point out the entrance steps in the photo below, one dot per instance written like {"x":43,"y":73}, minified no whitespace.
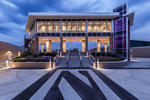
{"x":74,"y":60}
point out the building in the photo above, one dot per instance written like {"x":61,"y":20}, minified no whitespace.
{"x":110,"y":30}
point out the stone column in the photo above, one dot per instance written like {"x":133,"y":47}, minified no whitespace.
{"x":64,"y":45}
{"x":48,"y":46}
{"x":83,"y":45}
{"x":98,"y":46}
{"x":42,"y":47}
{"x":105,"y":45}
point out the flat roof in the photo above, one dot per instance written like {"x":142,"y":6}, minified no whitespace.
{"x":71,"y":13}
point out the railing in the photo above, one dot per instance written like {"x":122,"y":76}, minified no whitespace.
{"x":67,"y":59}
{"x":92,"y":59}
{"x":56,"y":59}
{"x":80,"y":58}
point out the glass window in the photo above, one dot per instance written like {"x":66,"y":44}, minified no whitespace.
{"x":64,"y":27}
{"x":109,"y":27}
{"x":103,"y":26}
{"x":68,"y":26}
{"x":83,"y":26}
{"x":89,"y":26}
{"x":73,"y":26}
{"x":78,"y":26}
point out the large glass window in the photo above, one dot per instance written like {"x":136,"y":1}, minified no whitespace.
{"x":83,"y":26}
{"x":74,"y":26}
{"x":108,"y":27}
{"x":89,"y":26}
{"x":78,"y":27}
{"x":68,"y":26}
{"x":64,"y":27}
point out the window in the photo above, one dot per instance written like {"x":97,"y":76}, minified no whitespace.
{"x":78,"y":26}
{"x":83,"y":26}
{"x":68,"y":26}
{"x":64,"y":27}
{"x":73,"y":26}
{"x":108,"y":26}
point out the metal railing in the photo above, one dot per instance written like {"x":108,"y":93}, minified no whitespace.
{"x":67,"y":59}
{"x":56,"y":59}
{"x":92,"y":59}
{"x":80,"y":58}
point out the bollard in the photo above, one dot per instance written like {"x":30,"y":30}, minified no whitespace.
{"x":97,"y":63}
{"x":50,"y":64}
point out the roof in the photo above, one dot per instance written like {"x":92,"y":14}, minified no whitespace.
{"x":71,"y":13}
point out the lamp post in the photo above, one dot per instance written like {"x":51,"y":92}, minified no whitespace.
{"x":9,"y":53}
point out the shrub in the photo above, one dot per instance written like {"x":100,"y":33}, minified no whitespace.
{"x":103,"y":54}
{"x":41,"y":54}
{"x":35,"y":55}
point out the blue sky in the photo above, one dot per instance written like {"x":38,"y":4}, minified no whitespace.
{"x":13,"y":15}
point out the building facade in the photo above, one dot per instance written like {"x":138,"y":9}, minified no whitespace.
{"x":111,"y":30}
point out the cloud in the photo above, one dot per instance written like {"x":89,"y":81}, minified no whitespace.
{"x":8,"y":3}
{"x":13,"y":14}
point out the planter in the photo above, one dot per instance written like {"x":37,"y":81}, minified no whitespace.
{"x":36,"y":65}
{"x":110,"y":64}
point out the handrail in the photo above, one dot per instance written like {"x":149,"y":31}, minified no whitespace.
{"x":67,"y":59}
{"x":57,"y":57}
{"x":92,"y":59}
{"x":80,"y":58}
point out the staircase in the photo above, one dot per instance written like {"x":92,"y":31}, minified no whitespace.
{"x":74,"y":60}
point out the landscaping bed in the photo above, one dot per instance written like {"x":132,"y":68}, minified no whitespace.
{"x":107,"y":57}
{"x":41,"y":57}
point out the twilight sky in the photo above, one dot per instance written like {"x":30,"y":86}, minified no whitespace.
{"x":13,"y":15}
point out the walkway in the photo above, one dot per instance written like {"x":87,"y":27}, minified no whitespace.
{"x":75,"y":84}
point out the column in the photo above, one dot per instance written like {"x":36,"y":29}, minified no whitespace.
{"x":110,"y":44}
{"x":61,"y":37}
{"x":64,"y":45}
{"x":86,"y":37}
{"x":42,"y":47}
{"x":105,"y":46}
{"x":98,"y":46}
{"x":48,"y":46}
{"x":83,"y":45}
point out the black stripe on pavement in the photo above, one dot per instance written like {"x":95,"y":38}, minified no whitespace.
{"x":54,"y":92}
{"x":94,"y":85}
{"x":83,"y":90}
{"x":121,"y":92}
{"x":29,"y":92}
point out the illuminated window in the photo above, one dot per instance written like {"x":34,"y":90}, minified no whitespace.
{"x":83,"y":26}
{"x":108,"y":26}
{"x":64,"y":27}
{"x":78,"y":26}
{"x":73,"y":26}
{"x":103,"y":26}
{"x":68,"y":26}
{"x":89,"y":26}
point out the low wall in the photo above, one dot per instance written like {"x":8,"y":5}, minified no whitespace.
{"x":111,"y":64}
{"x":36,"y":65}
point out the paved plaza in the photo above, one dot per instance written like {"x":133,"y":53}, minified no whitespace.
{"x":76,"y":84}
